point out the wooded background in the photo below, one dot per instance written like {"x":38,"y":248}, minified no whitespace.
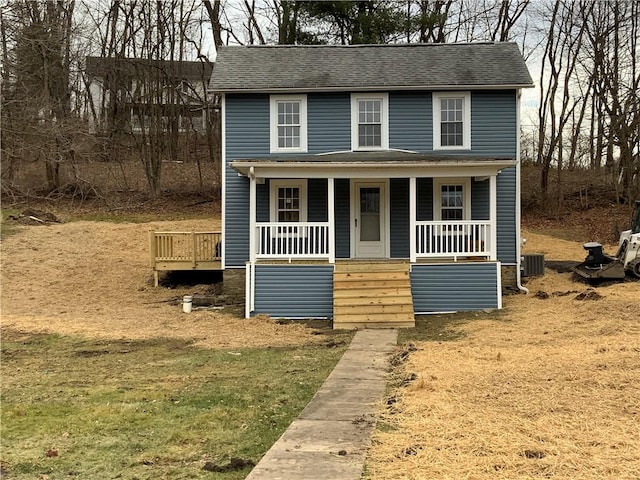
{"x":583,"y":55}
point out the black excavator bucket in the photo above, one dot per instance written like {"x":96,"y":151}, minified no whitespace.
{"x":599,"y":265}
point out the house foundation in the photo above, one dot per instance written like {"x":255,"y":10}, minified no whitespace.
{"x":233,"y":285}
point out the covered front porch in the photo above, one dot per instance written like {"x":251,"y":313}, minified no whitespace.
{"x":367,"y":205}
{"x":435,"y":218}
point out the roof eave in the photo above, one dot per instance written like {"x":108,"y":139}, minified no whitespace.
{"x":375,"y":88}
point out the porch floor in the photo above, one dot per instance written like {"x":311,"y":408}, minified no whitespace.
{"x":372,"y":294}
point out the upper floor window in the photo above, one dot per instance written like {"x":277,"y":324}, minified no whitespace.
{"x":452,"y":199}
{"x":288,"y":123}
{"x":452,"y":121}
{"x":370,"y":121}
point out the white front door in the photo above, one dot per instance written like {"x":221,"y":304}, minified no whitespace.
{"x":369,"y":213}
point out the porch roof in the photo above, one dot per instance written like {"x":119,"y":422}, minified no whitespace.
{"x":378,"y":164}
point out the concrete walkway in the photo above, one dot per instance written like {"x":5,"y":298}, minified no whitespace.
{"x":330,"y":437}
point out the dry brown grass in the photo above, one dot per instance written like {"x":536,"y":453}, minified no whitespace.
{"x":545,"y":389}
{"x":93,"y":279}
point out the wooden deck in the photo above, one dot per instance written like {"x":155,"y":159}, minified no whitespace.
{"x":372,"y":295}
{"x":184,"y":251}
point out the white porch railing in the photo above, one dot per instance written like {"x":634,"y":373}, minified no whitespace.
{"x":293,"y":241}
{"x":453,"y":239}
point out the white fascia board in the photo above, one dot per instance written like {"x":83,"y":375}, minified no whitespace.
{"x":376,"y":88}
{"x":373,"y":170}
{"x":223,"y":176}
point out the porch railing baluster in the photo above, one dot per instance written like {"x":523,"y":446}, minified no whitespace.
{"x":453,"y":239}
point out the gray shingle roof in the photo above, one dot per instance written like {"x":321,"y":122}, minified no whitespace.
{"x":133,"y":67}
{"x":367,"y":67}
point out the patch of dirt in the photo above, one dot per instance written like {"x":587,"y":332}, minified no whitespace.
{"x":234,"y":465}
{"x":93,"y":279}
{"x":30,"y":216}
{"x":589,"y":294}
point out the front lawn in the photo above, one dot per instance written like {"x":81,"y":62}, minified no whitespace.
{"x":148,"y":409}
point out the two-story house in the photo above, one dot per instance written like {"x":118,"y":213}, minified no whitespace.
{"x":129,"y":93}
{"x":371,"y":183}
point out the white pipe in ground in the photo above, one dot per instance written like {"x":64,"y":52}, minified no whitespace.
{"x":187,"y":302}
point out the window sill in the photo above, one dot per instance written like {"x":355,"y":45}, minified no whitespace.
{"x":289,"y":150}
{"x":462,"y":148}
{"x":371,"y":149}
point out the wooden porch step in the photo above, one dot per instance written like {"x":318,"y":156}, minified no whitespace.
{"x":348,"y":267}
{"x":371,"y":309}
{"x":377,"y":293}
{"x":361,"y":325}
{"x":372,"y":295}
{"x":374,"y":318}
{"x":369,"y":284}
{"x":342,"y":298}
{"x":371,"y":275}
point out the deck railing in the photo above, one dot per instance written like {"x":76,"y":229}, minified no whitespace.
{"x":293,"y":240}
{"x":185,"y":247}
{"x":453,"y":239}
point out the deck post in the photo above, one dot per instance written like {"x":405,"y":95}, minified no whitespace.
{"x":332,"y":220}
{"x":193,"y":245}
{"x":152,"y":249}
{"x":493,"y":216}
{"x":412,"y":219}
{"x":152,"y":256}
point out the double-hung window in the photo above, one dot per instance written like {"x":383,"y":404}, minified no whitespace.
{"x":452,"y":199}
{"x":288,"y":116}
{"x":288,"y":201}
{"x":370,"y":121}
{"x":452,"y":121}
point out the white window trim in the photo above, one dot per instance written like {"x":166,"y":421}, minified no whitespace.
{"x":384,"y":118}
{"x":273,"y":116}
{"x":466,"y":119}
{"x":437,"y":196}
{"x":274,"y":185}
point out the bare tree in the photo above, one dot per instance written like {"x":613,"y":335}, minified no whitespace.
{"x":564,"y":40}
{"x":612,"y":29}
{"x":38,"y":121}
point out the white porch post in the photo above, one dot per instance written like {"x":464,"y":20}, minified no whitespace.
{"x":252,"y":216}
{"x":332,"y":220}
{"x":493,"y":216}
{"x":412,"y":219}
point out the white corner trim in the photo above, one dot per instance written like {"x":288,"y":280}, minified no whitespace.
{"x":223,"y":176}
{"x":499,"y":284}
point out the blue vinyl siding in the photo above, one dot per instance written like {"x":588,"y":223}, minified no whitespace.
{"x":263,"y":202}
{"x":448,"y":287}
{"x":424,"y":197}
{"x":493,"y":123}
{"x":506,"y":205}
{"x":329,"y":122}
{"x":342,"y":195}
{"x":480,"y":192}
{"x":410,"y":121}
{"x":399,"y":217}
{"x":294,"y":291}
{"x":246,"y":136}
{"x":317,"y":204}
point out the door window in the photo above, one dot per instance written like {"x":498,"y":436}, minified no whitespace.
{"x":370,"y":214}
